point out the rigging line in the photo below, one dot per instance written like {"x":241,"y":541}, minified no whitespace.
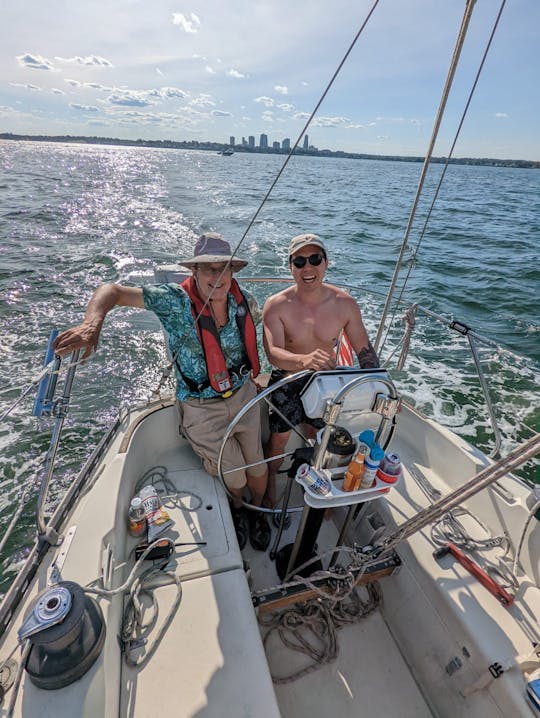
{"x":286,"y":162}
{"x":446,"y":91}
{"x":308,"y":122}
{"x":446,"y":165}
{"x":27,"y":389}
{"x":302,"y":132}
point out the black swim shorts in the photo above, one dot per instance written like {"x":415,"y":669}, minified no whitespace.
{"x":287,"y":400}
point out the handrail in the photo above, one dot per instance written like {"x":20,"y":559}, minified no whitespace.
{"x":334,"y":409}
{"x":45,"y":532}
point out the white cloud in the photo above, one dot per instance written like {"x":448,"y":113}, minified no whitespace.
{"x":203,"y":101}
{"x":159,"y":71}
{"x":210,"y":70}
{"x":354,"y":127}
{"x":34,"y":62}
{"x":305,"y":84}
{"x":129,"y":98}
{"x":234,"y":73}
{"x":26,"y":86}
{"x":56,"y":91}
{"x":301,"y":116}
{"x":94,"y":60}
{"x":286,"y":107}
{"x":191,"y":25}
{"x":168,"y":92}
{"x":74,"y":83}
{"x":330,"y":121}
{"x":268,"y":116}
{"x":84,"y":108}
{"x":143,"y":98}
{"x":266,"y":101}
{"x":221,"y":113}
{"x":501,"y":114}
{"x":281,"y":89}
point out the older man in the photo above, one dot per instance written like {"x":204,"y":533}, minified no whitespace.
{"x":210,"y":323}
{"x":302,"y":326}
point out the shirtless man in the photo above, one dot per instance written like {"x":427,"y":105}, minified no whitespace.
{"x":302,"y":325}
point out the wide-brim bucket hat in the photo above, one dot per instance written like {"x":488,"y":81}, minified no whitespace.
{"x":211,"y":247}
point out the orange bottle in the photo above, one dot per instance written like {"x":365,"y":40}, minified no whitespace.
{"x":354,"y":473}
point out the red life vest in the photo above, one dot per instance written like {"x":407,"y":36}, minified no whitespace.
{"x":216,"y":367}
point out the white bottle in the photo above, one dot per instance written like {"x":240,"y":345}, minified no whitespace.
{"x":371,"y":463}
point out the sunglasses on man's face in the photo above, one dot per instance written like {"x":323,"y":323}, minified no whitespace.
{"x":313,"y":259}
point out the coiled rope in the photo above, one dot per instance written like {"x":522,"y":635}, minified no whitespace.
{"x":311,"y":628}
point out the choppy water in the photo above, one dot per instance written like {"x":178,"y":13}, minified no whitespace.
{"x":73,"y":216}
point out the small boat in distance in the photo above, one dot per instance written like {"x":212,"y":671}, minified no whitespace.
{"x":227,"y":153}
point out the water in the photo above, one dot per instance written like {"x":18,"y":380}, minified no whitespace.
{"x":73,"y":216}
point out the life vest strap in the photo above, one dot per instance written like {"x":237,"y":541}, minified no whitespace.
{"x":242,"y":369}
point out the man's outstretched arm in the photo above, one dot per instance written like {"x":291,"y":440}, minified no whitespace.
{"x":86,"y":335}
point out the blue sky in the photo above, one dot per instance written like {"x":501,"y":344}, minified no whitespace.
{"x":205,"y":70}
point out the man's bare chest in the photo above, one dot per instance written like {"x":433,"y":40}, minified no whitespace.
{"x":317,"y":327}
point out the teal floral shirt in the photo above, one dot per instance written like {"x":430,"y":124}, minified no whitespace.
{"x":173,"y":309}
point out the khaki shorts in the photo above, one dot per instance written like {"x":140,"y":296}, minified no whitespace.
{"x":204,"y":422}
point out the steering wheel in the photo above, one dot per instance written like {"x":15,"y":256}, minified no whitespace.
{"x":263,"y":396}
{"x":386,"y":405}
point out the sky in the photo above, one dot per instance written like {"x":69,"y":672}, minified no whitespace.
{"x":207,"y":69}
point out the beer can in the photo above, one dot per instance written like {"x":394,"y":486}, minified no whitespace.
{"x":391,"y":465}
{"x":316,"y":481}
{"x":136,"y":518}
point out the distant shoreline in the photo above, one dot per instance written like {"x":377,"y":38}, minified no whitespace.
{"x":219,"y":147}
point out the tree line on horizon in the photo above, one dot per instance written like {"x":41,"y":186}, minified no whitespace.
{"x":219,"y":147}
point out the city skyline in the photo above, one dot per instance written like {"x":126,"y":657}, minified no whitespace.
{"x":284,"y":144}
{"x":202,"y":70}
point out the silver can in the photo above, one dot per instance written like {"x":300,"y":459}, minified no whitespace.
{"x":136,"y":518}
{"x":391,"y":465}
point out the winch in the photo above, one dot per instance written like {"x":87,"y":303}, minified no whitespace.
{"x":66,"y":631}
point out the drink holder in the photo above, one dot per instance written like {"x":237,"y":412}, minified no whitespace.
{"x":337,"y":497}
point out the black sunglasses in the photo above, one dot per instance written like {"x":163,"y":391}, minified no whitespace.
{"x":313,"y":259}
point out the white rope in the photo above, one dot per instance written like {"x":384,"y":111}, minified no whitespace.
{"x":410,"y":320}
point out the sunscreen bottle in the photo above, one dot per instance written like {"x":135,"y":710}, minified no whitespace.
{"x":354,"y":472}
{"x":371,"y":464}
